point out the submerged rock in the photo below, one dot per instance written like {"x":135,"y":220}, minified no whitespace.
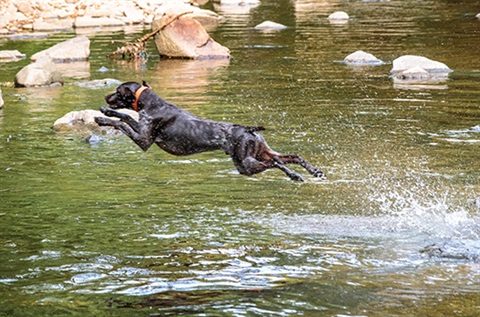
{"x":99,"y":83}
{"x":456,"y":250}
{"x":269,"y":25}
{"x":362,"y":58}
{"x":76,"y":49}
{"x":186,"y":38}
{"x":41,"y":73}
{"x":84,"y":121}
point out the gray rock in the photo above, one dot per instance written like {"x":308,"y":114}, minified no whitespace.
{"x":269,"y":25}
{"x":406,"y":62}
{"x":454,"y":250}
{"x":76,"y":49}
{"x":186,"y":38}
{"x":41,"y":73}
{"x":83,"y":121}
{"x":11,"y":55}
{"x":362,"y":58}
{"x":99,"y":83}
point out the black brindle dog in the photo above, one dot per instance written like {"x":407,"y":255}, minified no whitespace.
{"x":178,"y":132}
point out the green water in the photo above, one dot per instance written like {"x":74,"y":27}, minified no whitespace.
{"x":107,"y":230}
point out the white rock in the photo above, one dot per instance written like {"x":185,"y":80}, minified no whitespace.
{"x":410,"y":61}
{"x":414,"y":73}
{"x":269,"y":25}
{"x":11,"y":54}
{"x":338,"y":17}
{"x":88,"y":22}
{"x":478,"y":16}
{"x":76,"y":49}
{"x":362,"y":58}
{"x":41,"y":73}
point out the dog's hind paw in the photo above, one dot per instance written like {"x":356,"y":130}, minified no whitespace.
{"x":319,"y":173}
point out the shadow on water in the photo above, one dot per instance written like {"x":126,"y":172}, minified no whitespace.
{"x":106,"y":229}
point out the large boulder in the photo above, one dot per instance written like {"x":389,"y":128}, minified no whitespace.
{"x":41,"y":73}
{"x":76,"y":49}
{"x":185,"y":37}
{"x":83,"y":121}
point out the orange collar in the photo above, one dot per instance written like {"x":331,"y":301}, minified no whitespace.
{"x":137,"y":95}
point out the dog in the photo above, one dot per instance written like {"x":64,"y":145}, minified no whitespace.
{"x":178,"y":132}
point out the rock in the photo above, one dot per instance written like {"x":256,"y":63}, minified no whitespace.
{"x":11,"y":55}
{"x":338,"y":17}
{"x":89,"y":22}
{"x":84,"y":121}
{"x":41,"y":73}
{"x":455,"y":250}
{"x":40,"y":25}
{"x":269,"y":25}
{"x":99,"y":83}
{"x":237,"y":2}
{"x":186,"y":38}
{"x":76,"y":49}
{"x":2,"y":103}
{"x":478,"y":16}
{"x":414,"y":73}
{"x":406,"y":62}
{"x":207,"y":18}
{"x":362,"y":58}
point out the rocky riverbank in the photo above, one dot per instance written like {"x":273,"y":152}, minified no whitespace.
{"x":54,"y":15}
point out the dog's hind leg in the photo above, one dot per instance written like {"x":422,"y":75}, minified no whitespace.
{"x":280,"y":165}
{"x":297,"y":159}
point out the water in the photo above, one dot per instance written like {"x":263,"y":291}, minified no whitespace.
{"x":107,"y":230}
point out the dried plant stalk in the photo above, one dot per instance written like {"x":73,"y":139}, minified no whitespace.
{"x":136,"y":49}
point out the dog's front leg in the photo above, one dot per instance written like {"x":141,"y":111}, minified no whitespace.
{"x":109,"y":112}
{"x":142,"y":138}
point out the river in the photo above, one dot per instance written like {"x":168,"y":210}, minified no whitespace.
{"x":107,"y":230}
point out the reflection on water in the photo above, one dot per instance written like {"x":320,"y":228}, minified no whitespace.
{"x":394,"y":230}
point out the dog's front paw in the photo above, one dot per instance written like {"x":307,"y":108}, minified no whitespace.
{"x":102,"y":121}
{"x":109,"y":112}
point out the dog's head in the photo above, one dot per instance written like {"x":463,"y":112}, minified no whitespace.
{"x":124,"y":97}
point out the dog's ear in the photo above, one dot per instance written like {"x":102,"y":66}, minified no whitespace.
{"x":144,"y":83}
{"x":126,"y":92}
